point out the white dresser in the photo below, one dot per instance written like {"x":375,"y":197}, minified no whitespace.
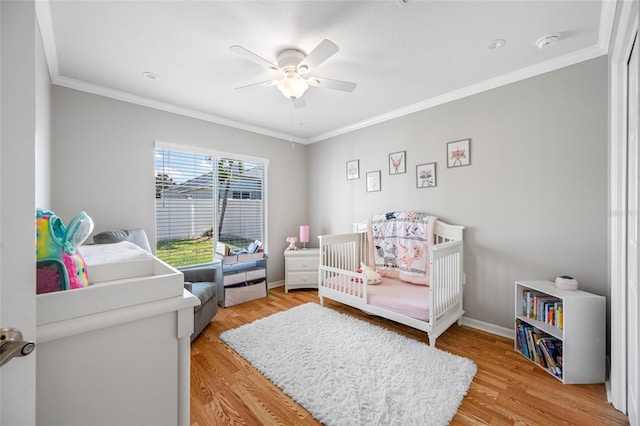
{"x":118,"y":351}
{"x":301,"y":268}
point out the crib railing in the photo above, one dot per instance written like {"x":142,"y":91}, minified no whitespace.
{"x":342,"y":251}
{"x":340,"y":256}
{"x":445,"y":275}
{"x":343,"y":281}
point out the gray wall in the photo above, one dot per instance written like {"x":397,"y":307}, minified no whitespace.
{"x":533,"y":200}
{"x":103,"y":163}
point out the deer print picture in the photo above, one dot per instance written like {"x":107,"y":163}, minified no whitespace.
{"x":458,"y":153}
{"x":397,"y":163}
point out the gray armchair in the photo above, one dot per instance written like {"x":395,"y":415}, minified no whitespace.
{"x":200,"y":281}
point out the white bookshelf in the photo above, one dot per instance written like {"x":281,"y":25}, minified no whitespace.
{"x":582,"y":334}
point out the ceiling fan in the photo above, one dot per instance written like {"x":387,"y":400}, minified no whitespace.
{"x":294,"y":66}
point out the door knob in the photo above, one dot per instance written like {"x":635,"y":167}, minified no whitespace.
{"x":12,"y":345}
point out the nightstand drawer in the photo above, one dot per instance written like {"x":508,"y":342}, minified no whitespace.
{"x":301,"y":269}
{"x":303,"y":264}
{"x":302,"y":278}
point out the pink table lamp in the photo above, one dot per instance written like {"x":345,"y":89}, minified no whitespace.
{"x":304,"y":235}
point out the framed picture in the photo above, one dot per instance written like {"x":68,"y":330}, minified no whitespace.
{"x":353,"y":169}
{"x":459,"y":153}
{"x":426,"y":175}
{"x":398,"y":162}
{"x":373,"y":181}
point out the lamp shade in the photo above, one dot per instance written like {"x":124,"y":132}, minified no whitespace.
{"x":304,"y":233}
{"x":292,"y":85}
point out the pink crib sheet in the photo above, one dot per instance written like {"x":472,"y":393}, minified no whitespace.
{"x":394,"y":295}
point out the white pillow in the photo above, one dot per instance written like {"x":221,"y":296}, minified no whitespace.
{"x":373,"y":277}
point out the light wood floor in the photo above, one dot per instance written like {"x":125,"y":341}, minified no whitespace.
{"x":507,"y":389}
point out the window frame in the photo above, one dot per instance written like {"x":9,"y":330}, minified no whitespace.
{"x":217,"y":155}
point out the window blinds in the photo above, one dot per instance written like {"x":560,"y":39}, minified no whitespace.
{"x":205,"y":198}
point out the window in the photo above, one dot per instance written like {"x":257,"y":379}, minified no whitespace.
{"x":203,"y":198}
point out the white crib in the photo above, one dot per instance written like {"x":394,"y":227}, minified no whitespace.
{"x":341,"y":255}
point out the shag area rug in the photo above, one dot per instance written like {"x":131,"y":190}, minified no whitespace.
{"x":346,"y":371}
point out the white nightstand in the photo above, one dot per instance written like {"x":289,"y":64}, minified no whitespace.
{"x":301,"y":268}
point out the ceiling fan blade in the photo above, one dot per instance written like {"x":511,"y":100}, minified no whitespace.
{"x":247,"y":54}
{"x":262,"y":83}
{"x":345,"y":86}
{"x":321,"y":53}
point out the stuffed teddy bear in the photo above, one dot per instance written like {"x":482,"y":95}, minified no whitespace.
{"x":373,"y":277}
{"x":292,"y":243}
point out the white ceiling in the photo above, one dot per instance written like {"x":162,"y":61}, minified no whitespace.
{"x":404,"y":57}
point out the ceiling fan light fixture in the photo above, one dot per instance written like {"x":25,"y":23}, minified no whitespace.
{"x":292,"y":85}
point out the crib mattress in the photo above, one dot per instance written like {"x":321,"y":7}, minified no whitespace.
{"x":411,"y":300}
{"x":408,"y":299}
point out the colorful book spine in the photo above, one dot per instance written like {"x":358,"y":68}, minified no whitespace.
{"x":552,"y":351}
{"x":542,"y":307}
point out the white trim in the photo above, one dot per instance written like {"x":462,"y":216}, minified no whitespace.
{"x":265,"y":180}
{"x":193,"y":149}
{"x":488,"y":327}
{"x":518,"y":75}
{"x":607,"y":19}
{"x":275,"y":284}
{"x":621,"y":47}
{"x":43,"y":17}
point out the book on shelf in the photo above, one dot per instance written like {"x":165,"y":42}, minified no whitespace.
{"x":551,"y":348}
{"x":542,"y":307}
{"x":559,"y":314}
{"x":522,"y":341}
{"x":539,"y":347}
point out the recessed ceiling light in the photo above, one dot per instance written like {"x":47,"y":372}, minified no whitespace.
{"x":496,"y":44}
{"x":547,"y":41}
{"x":150,"y":76}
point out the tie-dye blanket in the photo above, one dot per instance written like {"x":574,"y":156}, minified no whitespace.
{"x":398,"y":244}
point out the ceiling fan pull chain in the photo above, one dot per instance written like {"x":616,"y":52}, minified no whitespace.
{"x":293,"y":108}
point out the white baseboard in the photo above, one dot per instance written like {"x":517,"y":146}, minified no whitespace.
{"x":487,"y":327}
{"x":275,"y":284}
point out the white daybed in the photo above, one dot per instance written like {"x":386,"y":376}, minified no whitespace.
{"x":431,"y":308}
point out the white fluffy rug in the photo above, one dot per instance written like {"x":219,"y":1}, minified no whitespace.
{"x":345,"y":371}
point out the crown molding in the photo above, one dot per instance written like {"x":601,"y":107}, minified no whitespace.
{"x":45,"y":23}
{"x":163,"y":106}
{"x":607,"y":18}
{"x":522,"y":74}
